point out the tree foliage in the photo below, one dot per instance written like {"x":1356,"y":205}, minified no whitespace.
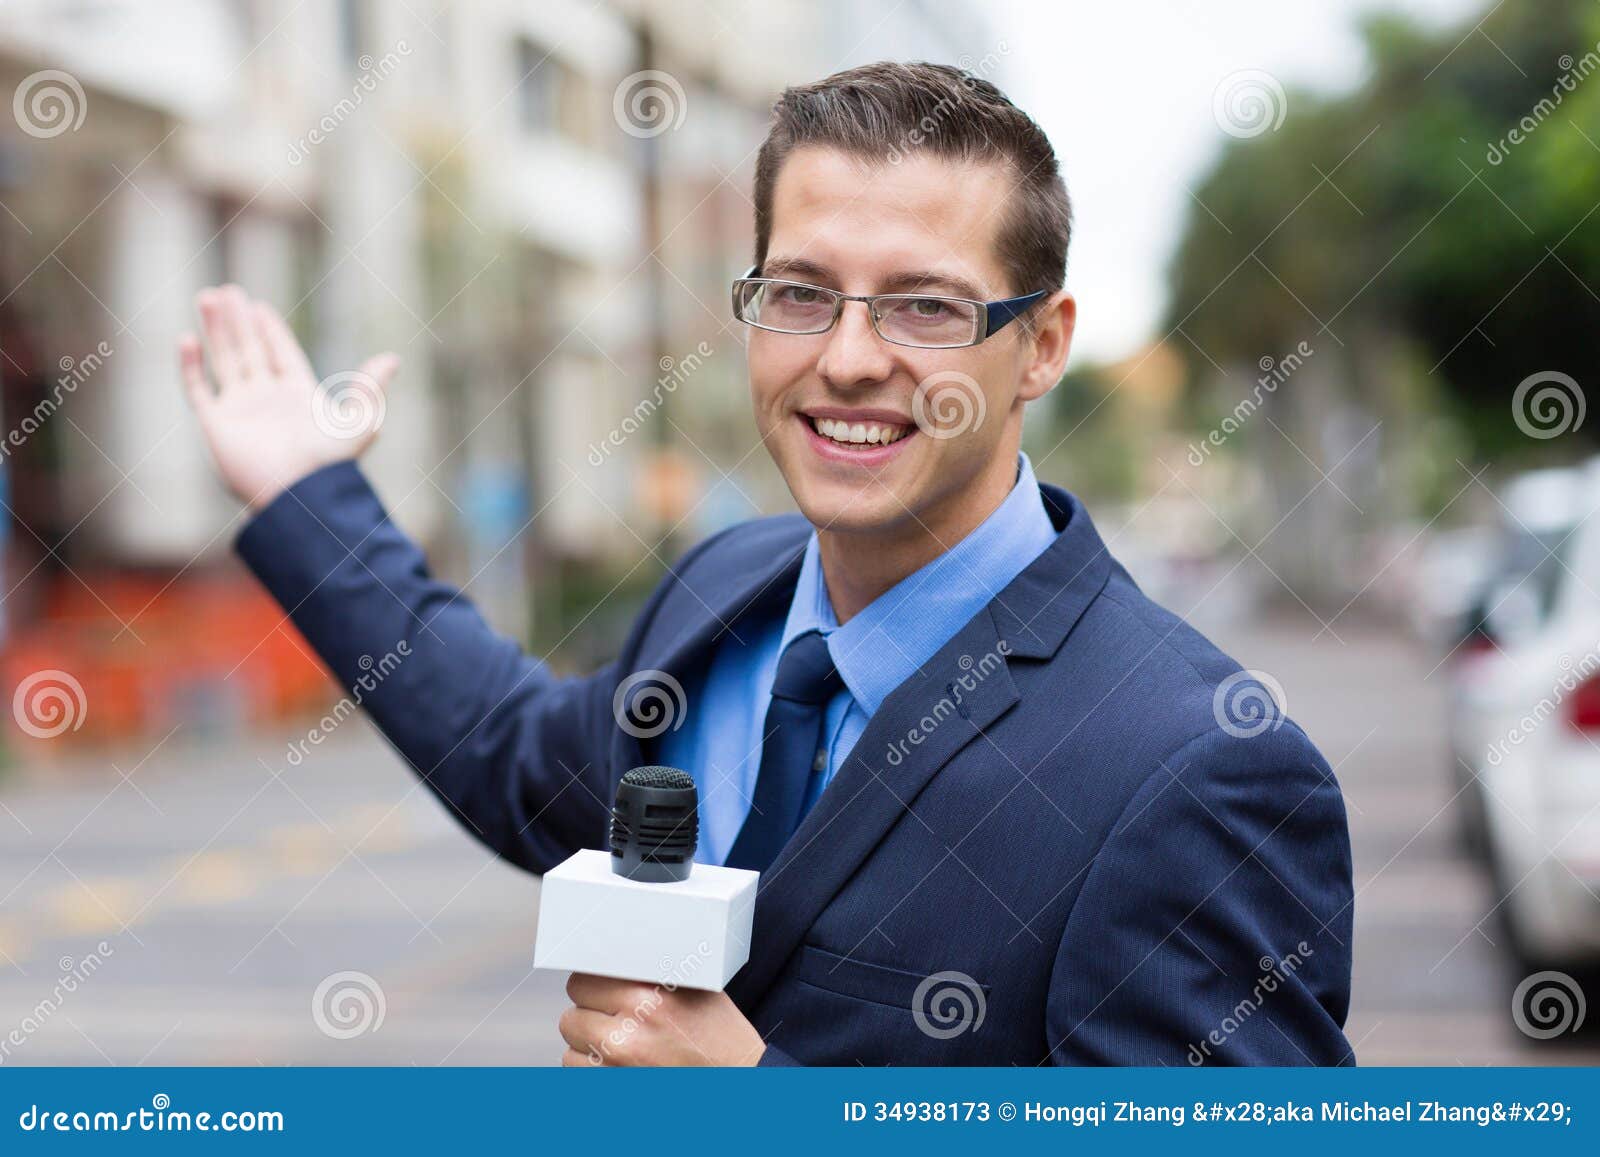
{"x":1450,"y":202}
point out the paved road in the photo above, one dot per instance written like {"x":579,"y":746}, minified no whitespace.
{"x":1433,"y":982}
{"x":226,"y":885}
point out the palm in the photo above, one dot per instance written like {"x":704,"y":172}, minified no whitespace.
{"x":267,"y":419}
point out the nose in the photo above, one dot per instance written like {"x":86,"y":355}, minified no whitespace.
{"x":854,"y":354}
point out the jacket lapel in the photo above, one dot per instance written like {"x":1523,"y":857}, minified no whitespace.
{"x":920,"y":728}
{"x":710,"y":615}
{"x":917,"y":731}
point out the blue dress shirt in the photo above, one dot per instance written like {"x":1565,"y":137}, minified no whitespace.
{"x":876,"y":651}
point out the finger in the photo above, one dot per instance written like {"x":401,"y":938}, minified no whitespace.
{"x":584,"y":1029}
{"x":271,"y":355}
{"x":600,"y":993}
{"x":219,"y":341}
{"x":283,"y":352}
{"x":192,"y":372}
{"x":573,"y":1059}
{"x":252,"y":355}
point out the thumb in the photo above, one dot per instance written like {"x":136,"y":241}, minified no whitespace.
{"x":381,"y":369}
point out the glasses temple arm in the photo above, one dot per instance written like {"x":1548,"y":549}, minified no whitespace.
{"x":1002,"y":313}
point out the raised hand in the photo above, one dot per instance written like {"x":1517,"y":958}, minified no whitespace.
{"x":267,"y":419}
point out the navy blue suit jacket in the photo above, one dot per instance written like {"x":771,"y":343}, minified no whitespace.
{"x":1059,"y":843}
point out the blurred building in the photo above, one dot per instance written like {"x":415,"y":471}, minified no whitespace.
{"x":537,"y":205}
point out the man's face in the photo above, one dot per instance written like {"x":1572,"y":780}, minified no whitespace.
{"x":924,"y":226}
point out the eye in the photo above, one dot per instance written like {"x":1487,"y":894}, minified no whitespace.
{"x":799,"y":295}
{"x":928,"y":308}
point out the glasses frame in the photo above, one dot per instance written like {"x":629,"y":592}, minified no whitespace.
{"x":993,"y":316}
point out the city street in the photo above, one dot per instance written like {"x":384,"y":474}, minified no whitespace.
{"x":229,"y":884}
{"x":226,"y":885}
{"x":1433,"y":982}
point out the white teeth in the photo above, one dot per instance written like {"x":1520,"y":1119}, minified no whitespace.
{"x":859,"y":433}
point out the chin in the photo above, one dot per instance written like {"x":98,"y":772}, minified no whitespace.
{"x":846,"y":510}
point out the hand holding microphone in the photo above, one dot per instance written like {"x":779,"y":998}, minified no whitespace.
{"x":650,"y":936}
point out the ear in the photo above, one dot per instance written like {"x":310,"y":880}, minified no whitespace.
{"x":1046,"y":353}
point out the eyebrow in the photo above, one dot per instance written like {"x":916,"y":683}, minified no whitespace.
{"x":904,"y":282}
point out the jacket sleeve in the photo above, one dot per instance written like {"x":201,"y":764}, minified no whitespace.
{"x":774,"y":1057}
{"x":1214,"y":927}
{"x":515,"y":753}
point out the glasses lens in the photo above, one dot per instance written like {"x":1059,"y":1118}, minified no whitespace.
{"x":928,"y":321}
{"x":784,"y":306}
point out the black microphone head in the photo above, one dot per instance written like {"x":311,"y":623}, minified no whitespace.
{"x":655,"y":825}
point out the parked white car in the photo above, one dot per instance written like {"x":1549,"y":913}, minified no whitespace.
{"x":1447,"y":580}
{"x":1525,"y":717}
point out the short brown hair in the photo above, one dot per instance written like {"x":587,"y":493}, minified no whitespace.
{"x":880,"y":112}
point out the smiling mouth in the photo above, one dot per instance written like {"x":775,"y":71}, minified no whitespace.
{"x":857,"y":435}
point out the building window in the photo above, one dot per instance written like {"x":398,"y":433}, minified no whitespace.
{"x":352,"y":31}
{"x":538,"y":88}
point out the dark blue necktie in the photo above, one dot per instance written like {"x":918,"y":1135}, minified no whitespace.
{"x":805,"y":682}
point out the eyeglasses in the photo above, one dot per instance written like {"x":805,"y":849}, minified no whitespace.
{"x":909,"y":319}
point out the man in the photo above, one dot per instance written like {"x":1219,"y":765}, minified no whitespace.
{"x":1007,"y":810}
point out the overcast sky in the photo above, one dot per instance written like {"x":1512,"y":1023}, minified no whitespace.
{"x":1125,"y":90}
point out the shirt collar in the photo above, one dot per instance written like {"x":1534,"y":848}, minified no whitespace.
{"x":894,"y":635}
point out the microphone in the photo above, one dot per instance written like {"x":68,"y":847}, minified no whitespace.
{"x":645,"y":910}
{"x":654,"y":825}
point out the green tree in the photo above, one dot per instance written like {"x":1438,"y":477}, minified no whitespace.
{"x":1446,"y":207}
